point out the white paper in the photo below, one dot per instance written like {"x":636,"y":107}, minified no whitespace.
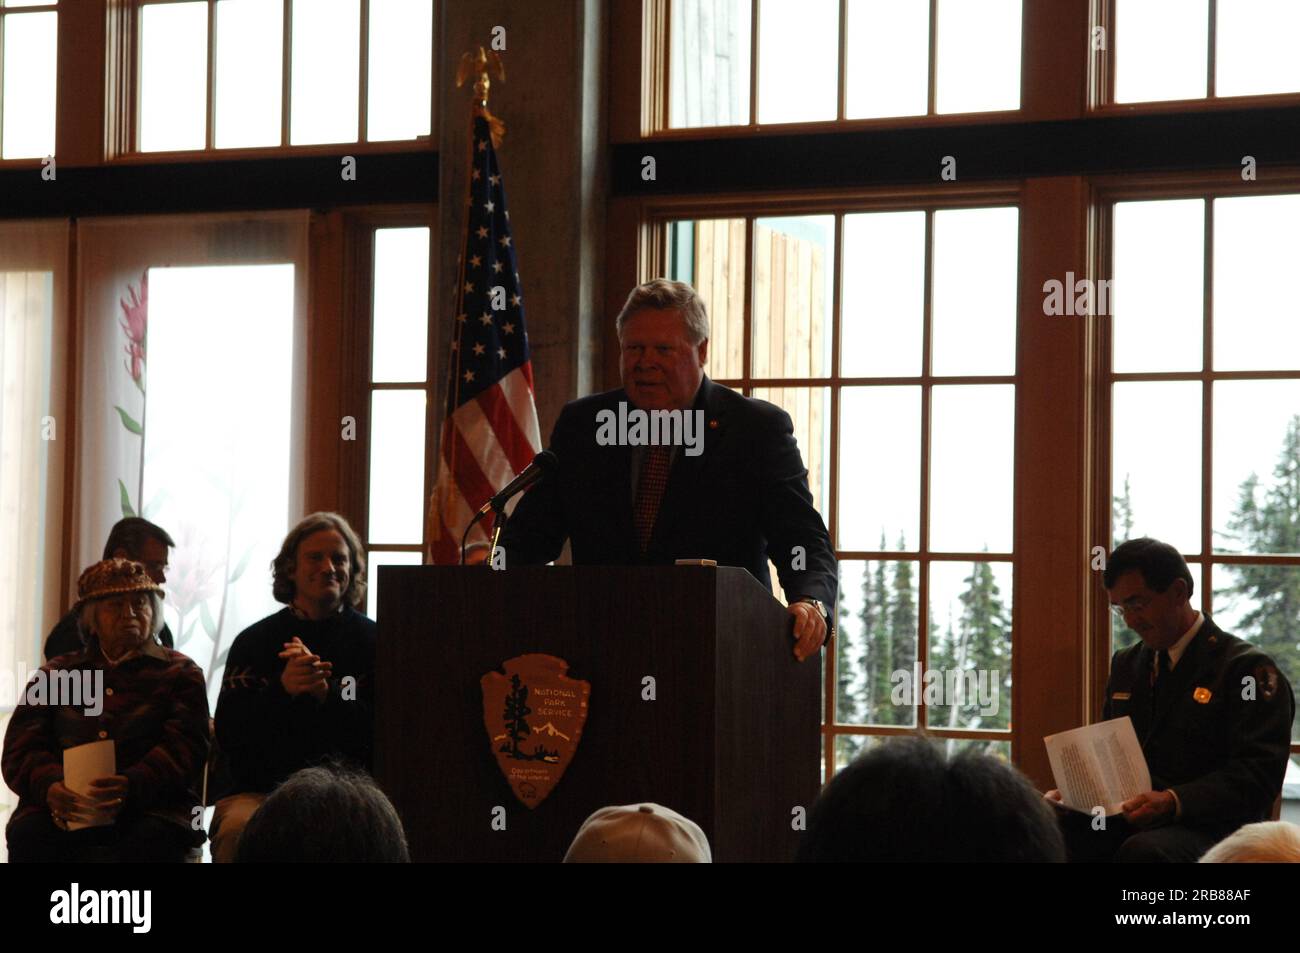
{"x":86,"y":763}
{"x":1098,"y":765}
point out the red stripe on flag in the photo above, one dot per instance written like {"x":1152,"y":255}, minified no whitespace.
{"x":508,"y":433}
{"x":470,"y":480}
{"x":445,"y":550}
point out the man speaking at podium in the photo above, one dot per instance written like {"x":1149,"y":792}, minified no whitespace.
{"x":673,"y":466}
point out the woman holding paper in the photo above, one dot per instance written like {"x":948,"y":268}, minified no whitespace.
{"x":106,"y":748}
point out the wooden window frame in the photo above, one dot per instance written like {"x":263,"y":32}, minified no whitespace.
{"x":655,"y":29}
{"x":1111,"y":191}
{"x":658,"y":214}
{"x":5,"y":12}
{"x":355,"y":374}
{"x":121,"y":126}
{"x":1102,"y":75}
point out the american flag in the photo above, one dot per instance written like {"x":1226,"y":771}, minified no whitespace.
{"x":490,"y":431}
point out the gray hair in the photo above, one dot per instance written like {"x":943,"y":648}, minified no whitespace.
{"x":664,"y":294}
{"x":1268,"y":842}
{"x":86,"y":617}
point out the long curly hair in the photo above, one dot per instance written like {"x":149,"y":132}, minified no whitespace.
{"x":284,"y":565}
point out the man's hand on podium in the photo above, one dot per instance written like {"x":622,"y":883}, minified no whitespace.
{"x":809,"y":629}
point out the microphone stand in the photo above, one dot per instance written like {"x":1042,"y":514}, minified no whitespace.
{"x":499,"y":518}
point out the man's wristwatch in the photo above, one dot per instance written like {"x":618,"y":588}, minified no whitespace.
{"x":825,"y":614}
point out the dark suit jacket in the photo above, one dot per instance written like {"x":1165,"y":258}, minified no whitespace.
{"x":64,"y":638}
{"x":744,"y":499}
{"x":1222,"y":754}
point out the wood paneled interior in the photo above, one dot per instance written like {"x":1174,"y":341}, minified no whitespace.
{"x":1066,"y":152}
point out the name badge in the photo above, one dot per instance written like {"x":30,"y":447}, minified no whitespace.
{"x":1202,"y":695}
{"x":1120,"y":696}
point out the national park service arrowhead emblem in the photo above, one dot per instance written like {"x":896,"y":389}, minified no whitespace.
{"x":534,"y":715}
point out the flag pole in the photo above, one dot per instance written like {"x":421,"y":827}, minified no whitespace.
{"x":480,"y":65}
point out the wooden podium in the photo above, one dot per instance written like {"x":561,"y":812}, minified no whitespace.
{"x":730,"y":740}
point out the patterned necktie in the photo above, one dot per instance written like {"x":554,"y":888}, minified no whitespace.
{"x":650,"y":492}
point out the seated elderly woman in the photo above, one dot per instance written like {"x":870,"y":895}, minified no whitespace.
{"x":124,"y":687}
{"x":298,"y":687}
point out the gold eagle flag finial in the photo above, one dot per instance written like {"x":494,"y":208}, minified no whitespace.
{"x":481,"y":65}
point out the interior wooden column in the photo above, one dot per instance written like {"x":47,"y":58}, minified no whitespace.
{"x":1052,"y":577}
{"x":552,"y":165}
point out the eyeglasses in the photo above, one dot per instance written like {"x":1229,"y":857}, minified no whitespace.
{"x":1132,"y":607}
{"x":154,"y":568}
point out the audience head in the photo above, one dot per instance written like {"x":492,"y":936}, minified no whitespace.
{"x":137,"y":539}
{"x":119,"y":604}
{"x":1150,"y":583}
{"x":663,"y":332}
{"x":325,"y":814}
{"x":639,"y":834}
{"x":321,"y":565}
{"x":905,"y":801}
{"x":1268,"y":842}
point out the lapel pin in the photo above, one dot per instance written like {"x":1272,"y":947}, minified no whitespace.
{"x":713,"y":424}
{"x":1202,"y":695}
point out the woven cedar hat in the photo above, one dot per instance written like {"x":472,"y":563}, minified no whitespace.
{"x":112,"y":577}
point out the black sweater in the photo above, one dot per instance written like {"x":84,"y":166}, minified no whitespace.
{"x":267,"y":734}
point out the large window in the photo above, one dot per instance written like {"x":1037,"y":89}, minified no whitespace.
{"x":399,"y":392}
{"x":889,"y":337}
{"x":225,"y":74}
{"x":1198,"y":49}
{"x":1205,"y":403}
{"x":193,"y":352}
{"x":28,"y":77}
{"x":742,"y":62}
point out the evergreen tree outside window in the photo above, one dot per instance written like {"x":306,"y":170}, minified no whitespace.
{"x":840,"y":318}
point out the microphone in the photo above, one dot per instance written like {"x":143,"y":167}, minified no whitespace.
{"x":542,"y":464}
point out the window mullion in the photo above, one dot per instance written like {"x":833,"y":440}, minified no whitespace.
{"x":211,"y":99}
{"x":286,"y":78}
{"x":363,"y":68}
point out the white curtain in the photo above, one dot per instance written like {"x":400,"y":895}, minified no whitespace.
{"x":193,"y":408}
{"x":34,"y":435}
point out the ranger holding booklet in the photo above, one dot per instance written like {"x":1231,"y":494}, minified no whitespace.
{"x":1206,"y":711}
